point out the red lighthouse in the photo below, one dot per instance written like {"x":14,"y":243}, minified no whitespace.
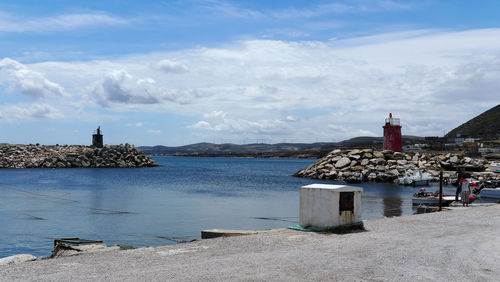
{"x":392,"y":134}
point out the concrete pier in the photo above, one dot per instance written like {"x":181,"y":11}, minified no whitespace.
{"x":456,"y":245}
{"x":215,"y":233}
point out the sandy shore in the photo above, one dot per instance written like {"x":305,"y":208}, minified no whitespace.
{"x":458,"y":245}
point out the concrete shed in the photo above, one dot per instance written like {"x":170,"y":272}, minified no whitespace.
{"x":325,"y":205}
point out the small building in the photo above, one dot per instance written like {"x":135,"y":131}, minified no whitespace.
{"x":97,"y":140}
{"x":392,"y":134}
{"x":329,"y":206}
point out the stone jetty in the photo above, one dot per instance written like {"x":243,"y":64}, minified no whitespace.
{"x":367,"y":165}
{"x":72,"y":156}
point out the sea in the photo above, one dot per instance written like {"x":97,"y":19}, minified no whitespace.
{"x":163,"y":205}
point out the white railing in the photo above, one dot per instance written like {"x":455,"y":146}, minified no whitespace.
{"x":392,"y":121}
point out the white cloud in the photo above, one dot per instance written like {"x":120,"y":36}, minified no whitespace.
{"x":14,"y":23}
{"x":29,"y":111}
{"x":171,"y":66}
{"x":220,"y":123}
{"x":201,"y":125}
{"x":298,"y":89}
{"x":17,"y":76}
{"x":119,"y":87}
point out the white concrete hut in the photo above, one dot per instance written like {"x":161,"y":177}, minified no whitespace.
{"x":326,"y":206}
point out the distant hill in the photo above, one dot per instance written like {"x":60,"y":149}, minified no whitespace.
{"x":283,"y":150}
{"x":485,"y":126}
{"x":256,"y":149}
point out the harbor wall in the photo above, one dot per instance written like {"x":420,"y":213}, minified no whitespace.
{"x":367,"y":165}
{"x":72,"y":156}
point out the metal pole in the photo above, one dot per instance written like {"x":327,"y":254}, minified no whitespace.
{"x":440,"y":190}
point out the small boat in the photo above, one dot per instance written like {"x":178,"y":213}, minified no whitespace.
{"x":432,"y":199}
{"x":452,"y":167}
{"x":417,"y":179}
{"x":494,"y":166}
{"x":490,"y":193}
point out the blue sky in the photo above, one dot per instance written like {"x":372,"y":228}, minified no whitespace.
{"x":182,"y":72}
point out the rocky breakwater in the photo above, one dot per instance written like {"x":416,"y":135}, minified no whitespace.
{"x":73,"y":156}
{"x":368,"y":165}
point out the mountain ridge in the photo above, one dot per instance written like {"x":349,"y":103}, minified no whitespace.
{"x":305,"y":150}
{"x":485,"y":126}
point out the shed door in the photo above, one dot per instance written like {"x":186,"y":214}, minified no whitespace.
{"x":346,"y":202}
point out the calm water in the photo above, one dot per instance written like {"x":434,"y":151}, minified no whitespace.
{"x":161,"y":205}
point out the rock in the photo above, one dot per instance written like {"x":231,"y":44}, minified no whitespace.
{"x":354,"y":152}
{"x":368,"y":155}
{"x":372,"y":176}
{"x":454,"y":159}
{"x":365,"y":162}
{"x":393,"y":172}
{"x":335,"y":159}
{"x":15,"y":259}
{"x":402,"y":162}
{"x":357,"y":168}
{"x":378,"y":155}
{"x":353,"y":163}
{"x":398,"y":156}
{"x":336,"y":152}
{"x":343,"y":162}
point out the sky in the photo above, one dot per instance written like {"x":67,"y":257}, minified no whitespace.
{"x":181,"y":72}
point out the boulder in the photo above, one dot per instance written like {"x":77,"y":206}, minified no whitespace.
{"x":454,"y":159}
{"x":354,"y":152}
{"x":335,"y":159}
{"x":343,"y":162}
{"x":402,"y":162}
{"x":398,"y":156}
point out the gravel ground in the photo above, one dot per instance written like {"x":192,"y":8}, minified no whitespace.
{"x":458,"y":245}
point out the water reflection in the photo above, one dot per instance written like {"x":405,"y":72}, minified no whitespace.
{"x":393,"y":206}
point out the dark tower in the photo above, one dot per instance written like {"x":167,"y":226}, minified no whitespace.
{"x":97,"y":138}
{"x":392,"y":134}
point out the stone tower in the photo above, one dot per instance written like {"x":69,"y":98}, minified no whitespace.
{"x":97,"y":138}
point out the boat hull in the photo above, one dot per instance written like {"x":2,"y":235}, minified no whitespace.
{"x":434,"y":201}
{"x":490,"y":193}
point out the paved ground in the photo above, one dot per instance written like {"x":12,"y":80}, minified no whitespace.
{"x":458,"y":245}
